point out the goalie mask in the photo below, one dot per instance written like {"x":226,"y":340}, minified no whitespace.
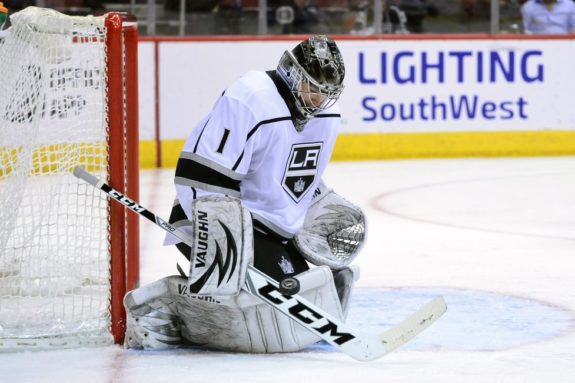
{"x":314,"y":73}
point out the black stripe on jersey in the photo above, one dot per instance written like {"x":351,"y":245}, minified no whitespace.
{"x":254,"y":130}
{"x":199,"y":173}
{"x":271,"y":121}
{"x":200,"y":136}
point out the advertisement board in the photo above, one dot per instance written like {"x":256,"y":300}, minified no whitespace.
{"x":412,"y":85}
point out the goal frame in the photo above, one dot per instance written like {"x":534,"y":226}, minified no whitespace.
{"x":122,"y":116}
{"x":113,"y":148}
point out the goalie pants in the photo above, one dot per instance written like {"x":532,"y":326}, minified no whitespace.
{"x":273,"y":255}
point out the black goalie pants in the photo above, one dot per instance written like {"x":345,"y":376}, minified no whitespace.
{"x":276,"y":257}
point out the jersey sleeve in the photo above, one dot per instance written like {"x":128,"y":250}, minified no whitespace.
{"x":223,"y":137}
{"x":214,"y":157}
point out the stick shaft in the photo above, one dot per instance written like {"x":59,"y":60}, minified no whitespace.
{"x":131,"y":204}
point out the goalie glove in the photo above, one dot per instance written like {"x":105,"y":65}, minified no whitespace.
{"x":334,"y":230}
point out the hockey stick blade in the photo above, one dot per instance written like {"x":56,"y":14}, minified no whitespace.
{"x":413,"y":325}
{"x":333,"y":330}
{"x":297,"y":308}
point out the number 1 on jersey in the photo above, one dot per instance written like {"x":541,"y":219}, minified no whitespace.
{"x":224,"y":140}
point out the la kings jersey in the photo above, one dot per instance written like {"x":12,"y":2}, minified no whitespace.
{"x":248,"y":147}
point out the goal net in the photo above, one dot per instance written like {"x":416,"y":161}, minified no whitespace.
{"x":68,"y":97}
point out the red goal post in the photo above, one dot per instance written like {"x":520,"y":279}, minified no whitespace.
{"x":122,"y":70}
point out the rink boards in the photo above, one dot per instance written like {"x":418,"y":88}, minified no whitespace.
{"x":406,"y":96}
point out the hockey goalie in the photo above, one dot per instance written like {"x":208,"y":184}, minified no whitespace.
{"x":249,"y":191}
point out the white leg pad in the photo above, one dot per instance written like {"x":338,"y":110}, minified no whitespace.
{"x":242,"y":323}
{"x":152,"y":319}
{"x":272,"y":331}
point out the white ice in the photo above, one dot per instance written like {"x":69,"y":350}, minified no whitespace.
{"x":495,"y":237}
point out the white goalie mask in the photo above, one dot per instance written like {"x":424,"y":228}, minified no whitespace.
{"x":313,"y":72}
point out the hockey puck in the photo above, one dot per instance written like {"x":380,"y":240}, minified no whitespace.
{"x":289,"y":286}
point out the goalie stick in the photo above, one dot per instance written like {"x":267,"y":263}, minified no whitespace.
{"x":324,"y":325}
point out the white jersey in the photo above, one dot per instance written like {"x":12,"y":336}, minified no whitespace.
{"x":248,"y":147}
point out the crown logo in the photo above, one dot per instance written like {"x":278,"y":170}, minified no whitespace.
{"x":299,"y":186}
{"x":286,"y":266}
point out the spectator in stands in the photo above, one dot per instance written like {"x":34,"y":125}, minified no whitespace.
{"x":415,"y":11}
{"x":548,"y":16}
{"x":399,"y":16}
{"x":191,"y":5}
{"x":228,"y":17}
{"x":306,"y":17}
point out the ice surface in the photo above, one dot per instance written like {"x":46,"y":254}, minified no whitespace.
{"x":495,"y":237}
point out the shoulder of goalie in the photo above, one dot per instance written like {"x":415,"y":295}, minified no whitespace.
{"x":221,"y":232}
{"x":164,"y":314}
{"x":334,"y":230}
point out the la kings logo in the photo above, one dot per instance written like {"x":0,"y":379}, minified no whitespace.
{"x":301,"y":169}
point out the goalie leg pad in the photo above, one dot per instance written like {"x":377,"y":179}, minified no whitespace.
{"x":240,"y":324}
{"x":272,"y":331}
{"x":245,"y":324}
{"x":223,"y":245}
{"x":152,"y":319}
{"x":165,"y":314}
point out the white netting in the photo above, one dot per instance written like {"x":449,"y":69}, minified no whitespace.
{"x":54,"y":256}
